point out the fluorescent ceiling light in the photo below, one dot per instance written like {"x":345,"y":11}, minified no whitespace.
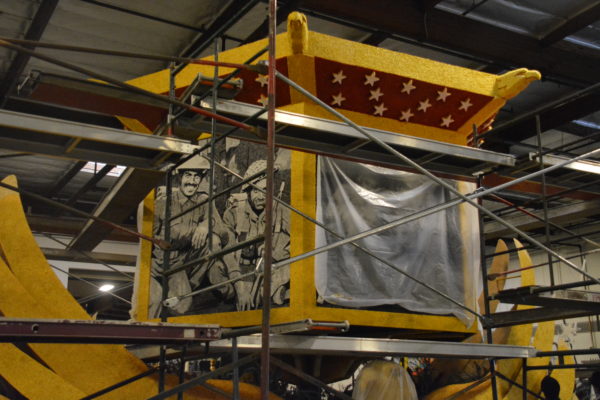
{"x":107,"y":287}
{"x":583,"y":165}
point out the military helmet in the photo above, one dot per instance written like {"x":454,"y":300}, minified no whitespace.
{"x":196,"y":162}
{"x":253,"y":169}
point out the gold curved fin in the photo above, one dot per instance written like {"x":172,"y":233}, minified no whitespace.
{"x":518,"y":335}
{"x":87,"y":367}
{"x":541,"y":341}
{"x":27,"y":261}
{"x":499,"y":265}
{"x":31,"y":379}
{"x":480,"y":392}
{"x":528,"y":275}
{"x":566,"y":376}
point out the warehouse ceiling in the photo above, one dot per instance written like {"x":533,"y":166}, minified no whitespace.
{"x":560,"y":39}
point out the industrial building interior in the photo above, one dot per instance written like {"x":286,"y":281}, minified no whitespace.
{"x":553,"y":120}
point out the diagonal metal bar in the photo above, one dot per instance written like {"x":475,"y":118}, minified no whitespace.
{"x":35,"y":31}
{"x":356,"y":245}
{"x":88,"y":256}
{"x":308,"y":378}
{"x":220,"y":193}
{"x":470,"y":387}
{"x":120,"y":384}
{"x":66,"y":178}
{"x":219,"y":253}
{"x":507,"y":379}
{"x":232,"y":14}
{"x":142,"y":15}
{"x":79,"y":49}
{"x":88,"y":282}
{"x":439,"y":181}
{"x":132,"y":88}
{"x":161,"y":243}
{"x":100,"y":294}
{"x":216,"y":390}
{"x":393,"y":224}
{"x":201,"y":379}
{"x":554,"y":225}
{"x":97,"y":177}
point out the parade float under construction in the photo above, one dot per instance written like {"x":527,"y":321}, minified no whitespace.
{"x":415,"y":279}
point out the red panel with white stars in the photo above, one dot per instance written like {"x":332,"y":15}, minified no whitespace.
{"x":254,"y":90}
{"x":387,"y":95}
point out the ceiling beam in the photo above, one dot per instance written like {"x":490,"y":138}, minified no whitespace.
{"x":71,"y":226}
{"x":35,"y":31}
{"x":375,"y":38}
{"x":569,"y":26}
{"x":552,"y":115}
{"x":144,"y":15}
{"x":88,"y":257}
{"x":122,"y":200}
{"x":91,"y":183}
{"x":29,"y":106}
{"x":66,"y":178}
{"x":228,"y":17}
{"x":460,"y":34}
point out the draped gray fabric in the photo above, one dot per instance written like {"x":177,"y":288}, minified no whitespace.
{"x":441,"y":249}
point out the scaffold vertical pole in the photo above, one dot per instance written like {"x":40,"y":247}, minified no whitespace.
{"x":164,"y":283}
{"x":236,"y":370}
{"x":213,"y":132}
{"x":268,"y":253}
{"x":486,"y":295}
{"x":538,"y":132}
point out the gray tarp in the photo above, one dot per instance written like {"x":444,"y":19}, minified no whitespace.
{"x":441,"y":249}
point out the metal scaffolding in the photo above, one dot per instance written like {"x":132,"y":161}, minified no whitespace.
{"x":241,"y":121}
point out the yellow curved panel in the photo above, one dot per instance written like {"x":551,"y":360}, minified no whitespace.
{"x":443,"y":369}
{"x":527,"y":276}
{"x":18,"y":369}
{"x":542,"y":341}
{"x":565,"y":377}
{"x":499,"y":265}
{"x":480,"y":392}
{"x":27,"y":261}
{"x":88,"y":367}
{"x":518,"y":335}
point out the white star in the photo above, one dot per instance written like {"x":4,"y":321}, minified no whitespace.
{"x":465,"y":105}
{"x":424,"y":105}
{"x":339,"y":77}
{"x":380,"y":109}
{"x":406,"y":115}
{"x":446,"y":121}
{"x":442,"y":94}
{"x":408,"y":87}
{"x":262,"y":79}
{"x":371,"y":79}
{"x":337,"y":100}
{"x":376,"y":94}
{"x":264,"y":100}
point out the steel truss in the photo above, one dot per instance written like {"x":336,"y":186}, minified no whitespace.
{"x":267,"y":342}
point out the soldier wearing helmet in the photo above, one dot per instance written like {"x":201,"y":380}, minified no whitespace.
{"x":188,"y":235}
{"x":245,"y":219}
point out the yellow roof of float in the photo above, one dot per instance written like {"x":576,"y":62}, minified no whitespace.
{"x":375,"y":87}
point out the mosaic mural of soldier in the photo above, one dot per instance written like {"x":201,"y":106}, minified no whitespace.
{"x":245,"y":219}
{"x":188,"y":236}
{"x":237,"y":217}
